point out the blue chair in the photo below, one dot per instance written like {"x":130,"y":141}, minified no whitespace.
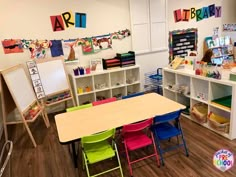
{"x":164,"y":128}
{"x":132,"y":95}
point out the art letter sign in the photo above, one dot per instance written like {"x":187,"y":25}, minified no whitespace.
{"x":67,"y":19}
{"x":198,"y":14}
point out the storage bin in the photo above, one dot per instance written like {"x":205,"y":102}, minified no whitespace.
{"x":126,"y":59}
{"x":111,"y":63}
{"x":199,"y":112}
{"x":218,"y":123}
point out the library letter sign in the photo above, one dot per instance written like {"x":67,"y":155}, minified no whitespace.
{"x":198,"y":14}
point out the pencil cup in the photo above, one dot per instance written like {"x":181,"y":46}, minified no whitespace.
{"x":76,"y":72}
{"x":80,"y":90}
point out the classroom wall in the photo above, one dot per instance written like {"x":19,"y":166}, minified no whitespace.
{"x":28,"y":19}
{"x":205,"y":27}
{"x":229,"y":16}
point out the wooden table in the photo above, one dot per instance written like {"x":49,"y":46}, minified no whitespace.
{"x":72,"y":126}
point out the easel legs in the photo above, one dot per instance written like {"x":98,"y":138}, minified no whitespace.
{"x":45,"y":118}
{"x":29,"y":132}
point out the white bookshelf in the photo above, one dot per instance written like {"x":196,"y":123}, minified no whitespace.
{"x":108,"y":83}
{"x":209,"y":88}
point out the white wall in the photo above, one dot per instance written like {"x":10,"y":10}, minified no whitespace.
{"x":229,"y":16}
{"x":28,"y":19}
{"x":205,"y":27}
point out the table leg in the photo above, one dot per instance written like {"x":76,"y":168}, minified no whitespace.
{"x":74,"y":155}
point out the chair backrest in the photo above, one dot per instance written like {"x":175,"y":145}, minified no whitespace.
{"x":167,"y":117}
{"x":108,"y":100}
{"x":5,"y":155}
{"x":137,"y":126}
{"x":133,"y":95}
{"x":98,"y":137}
{"x":79,"y":107}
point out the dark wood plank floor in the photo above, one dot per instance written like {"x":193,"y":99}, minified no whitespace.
{"x":51,"y":159}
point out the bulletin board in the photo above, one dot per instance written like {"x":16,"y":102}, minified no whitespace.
{"x":182,"y":41}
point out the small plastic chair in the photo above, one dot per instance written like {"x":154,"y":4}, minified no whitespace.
{"x":165,"y":127}
{"x":136,"y":136}
{"x":97,"y":148}
{"x":108,"y":100}
{"x":73,"y":143}
{"x":5,"y":157}
{"x":79,"y":107}
{"x":132,"y":95}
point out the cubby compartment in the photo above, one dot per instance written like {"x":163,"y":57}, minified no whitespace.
{"x":199,"y":111}
{"x":169,"y":94}
{"x":102,"y":95}
{"x":132,"y":76}
{"x":117,"y":79}
{"x":101,"y":81}
{"x":85,"y":99}
{"x":183,"y":99}
{"x":118,"y":92}
{"x":183,"y":84}
{"x":219,"y":90}
{"x":199,"y":89}
{"x":133,"y":88}
{"x":84,"y":84}
{"x":219,"y":120}
{"x":168,"y":80}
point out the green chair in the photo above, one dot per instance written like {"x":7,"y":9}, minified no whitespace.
{"x":79,"y":107}
{"x":73,"y":143}
{"x":97,"y":147}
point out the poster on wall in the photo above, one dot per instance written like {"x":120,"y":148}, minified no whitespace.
{"x":70,"y":50}
{"x":181,"y":42}
{"x":102,"y":43}
{"x":12,"y":46}
{"x":56,"y":48}
{"x":38,"y":48}
{"x":87,"y":46}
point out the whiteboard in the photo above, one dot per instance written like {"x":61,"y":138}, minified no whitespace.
{"x":20,"y":87}
{"x":52,"y":75}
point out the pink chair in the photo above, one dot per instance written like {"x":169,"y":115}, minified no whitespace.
{"x":108,"y":100}
{"x":136,"y":136}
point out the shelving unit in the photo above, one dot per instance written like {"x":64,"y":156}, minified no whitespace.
{"x":221,"y":47}
{"x":201,"y":90}
{"x":105,"y":84}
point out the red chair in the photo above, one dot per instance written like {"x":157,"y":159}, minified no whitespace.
{"x":136,"y":136}
{"x":108,"y":100}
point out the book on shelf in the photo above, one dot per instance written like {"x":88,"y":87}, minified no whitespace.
{"x":216,"y":52}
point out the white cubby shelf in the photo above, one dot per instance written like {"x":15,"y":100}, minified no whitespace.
{"x":116,"y":82}
{"x":201,"y":90}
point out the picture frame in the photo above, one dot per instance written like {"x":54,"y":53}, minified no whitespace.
{"x":96,"y":65}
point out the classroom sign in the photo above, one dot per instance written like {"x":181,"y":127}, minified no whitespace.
{"x":68,"y":19}
{"x":198,"y":14}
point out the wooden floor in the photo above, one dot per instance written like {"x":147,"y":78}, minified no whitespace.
{"x":51,"y":159}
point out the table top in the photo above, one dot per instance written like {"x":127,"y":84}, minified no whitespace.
{"x":76,"y":124}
